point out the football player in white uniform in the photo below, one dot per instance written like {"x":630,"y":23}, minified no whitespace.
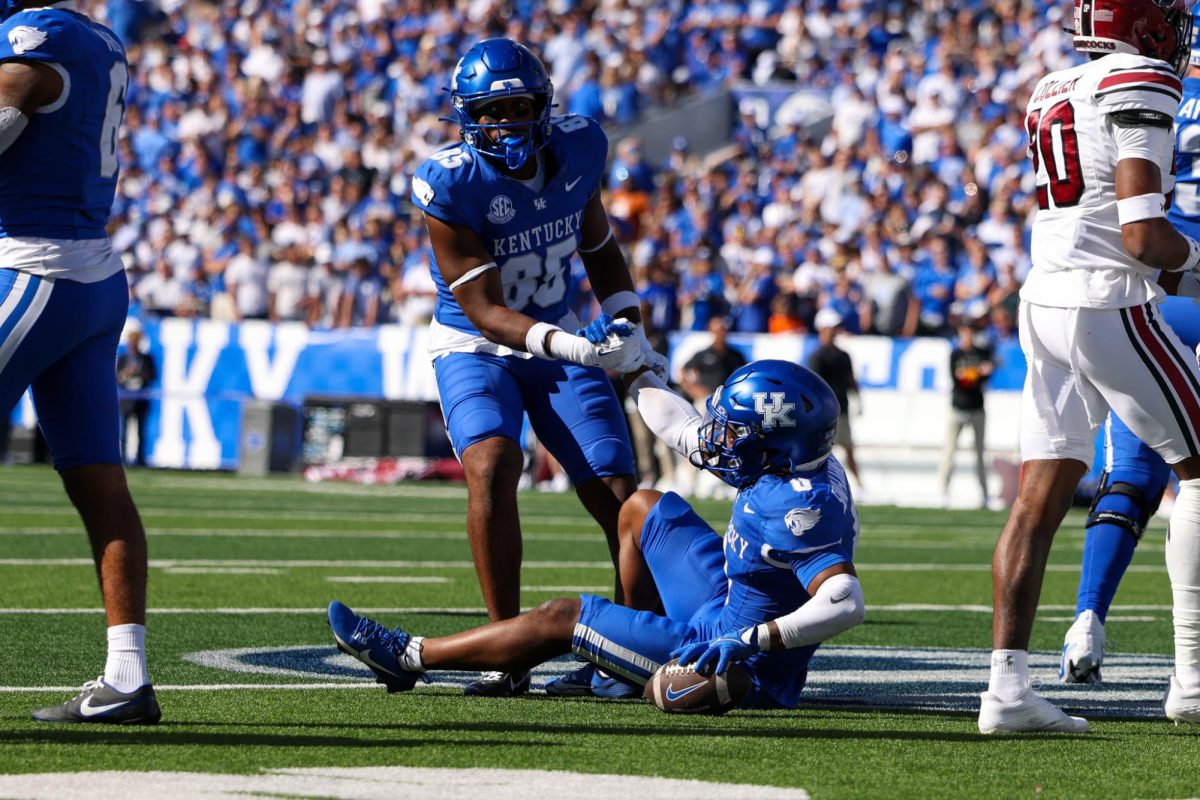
{"x":1101,"y":143}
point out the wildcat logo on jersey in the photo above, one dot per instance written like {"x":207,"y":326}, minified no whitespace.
{"x":501,"y":210}
{"x":778,"y":413}
{"x":422,"y":191}
{"x":24,"y":38}
{"x":801,"y":520}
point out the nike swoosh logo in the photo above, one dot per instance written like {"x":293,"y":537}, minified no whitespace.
{"x":88,"y":710}
{"x":748,"y":509}
{"x":363,"y":656}
{"x":571,"y":184}
{"x":673,"y":695}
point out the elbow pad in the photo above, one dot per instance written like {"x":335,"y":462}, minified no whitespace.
{"x":837,"y":606}
{"x":12,"y":124}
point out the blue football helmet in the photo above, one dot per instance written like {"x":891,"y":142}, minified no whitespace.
{"x":768,"y":417}
{"x":492,"y":69}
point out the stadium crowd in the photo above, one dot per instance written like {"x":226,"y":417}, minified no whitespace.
{"x":269,"y":145}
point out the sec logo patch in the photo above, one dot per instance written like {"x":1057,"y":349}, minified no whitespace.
{"x":501,"y":210}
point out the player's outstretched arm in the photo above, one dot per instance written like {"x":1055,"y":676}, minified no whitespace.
{"x":25,"y":86}
{"x":667,"y":414}
{"x":837,"y":605}
{"x":472,"y":276}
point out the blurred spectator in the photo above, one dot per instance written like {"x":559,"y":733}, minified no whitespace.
{"x":970,"y":368}
{"x":358,"y":305}
{"x":934,"y":286}
{"x":161,"y":292}
{"x":658,"y":291}
{"x":833,"y":364}
{"x":414,"y":294}
{"x":136,"y":372}
{"x":889,"y":306}
{"x":709,"y":368}
{"x":702,"y":291}
{"x":287,"y":285}
{"x":246,"y":281}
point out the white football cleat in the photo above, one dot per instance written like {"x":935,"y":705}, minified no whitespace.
{"x":1027,"y":713}
{"x":1182,"y":705}
{"x":1083,"y":650}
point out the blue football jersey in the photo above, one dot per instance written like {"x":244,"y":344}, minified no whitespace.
{"x":1185,"y":207}
{"x":58,"y":179}
{"x":531,"y":234}
{"x":784,"y":531}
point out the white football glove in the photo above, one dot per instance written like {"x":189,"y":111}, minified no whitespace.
{"x":621,"y":350}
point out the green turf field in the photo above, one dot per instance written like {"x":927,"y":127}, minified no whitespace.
{"x":242,"y":569}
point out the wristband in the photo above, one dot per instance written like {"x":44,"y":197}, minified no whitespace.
{"x":619,"y":301}
{"x":758,"y":636}
{"x":535,"y":339}
{"x":1144,"y":206}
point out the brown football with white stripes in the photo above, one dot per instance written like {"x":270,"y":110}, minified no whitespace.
{"x":682,"y":690}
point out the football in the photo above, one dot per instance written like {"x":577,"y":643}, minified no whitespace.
{"x":682,"y":690}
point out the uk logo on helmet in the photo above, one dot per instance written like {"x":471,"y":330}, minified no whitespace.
{"x":778,"y":414}
{"x":501,"y":210}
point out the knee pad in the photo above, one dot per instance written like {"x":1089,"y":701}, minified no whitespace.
{"x":1122,"y":504}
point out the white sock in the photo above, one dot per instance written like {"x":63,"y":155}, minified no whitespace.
{"x":412,"y":659}
{"x":125,"y":669}
{"x":1010,"y":674}
{"x":1183,"y":568}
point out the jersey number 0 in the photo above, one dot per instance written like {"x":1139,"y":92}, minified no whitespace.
{"x":1053,"y":142}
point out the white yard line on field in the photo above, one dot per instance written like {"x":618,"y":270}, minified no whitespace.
{"x":897,"y":607}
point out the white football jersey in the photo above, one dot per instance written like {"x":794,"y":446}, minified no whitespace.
{"x":1078,"y":257}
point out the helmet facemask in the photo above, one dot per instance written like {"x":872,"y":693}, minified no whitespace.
{"x":516,"y":142}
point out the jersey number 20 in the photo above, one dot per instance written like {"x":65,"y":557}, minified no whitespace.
{"x":1053,"y":142}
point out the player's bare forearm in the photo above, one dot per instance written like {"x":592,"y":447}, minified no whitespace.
{"x":609,"y":274}
{"x":1154,"y":240}
{"x":603,"y":260}
{"x":498,"y":323}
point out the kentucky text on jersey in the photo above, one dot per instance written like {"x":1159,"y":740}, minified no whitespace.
{"x":545,"y":234}
{"x":530,"y":227}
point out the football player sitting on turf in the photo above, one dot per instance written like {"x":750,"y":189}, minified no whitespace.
{"x":766,"y":594}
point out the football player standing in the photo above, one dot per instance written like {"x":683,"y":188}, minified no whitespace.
{"x":778,"y":583}
{"x":506,"y":211}
{"x":63,"y":302}
{"x":1093,"y":336}
{"x":1134,"y":475}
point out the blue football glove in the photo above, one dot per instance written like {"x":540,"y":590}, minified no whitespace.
{"x":722,"y":651}
{"x":598,"y":330}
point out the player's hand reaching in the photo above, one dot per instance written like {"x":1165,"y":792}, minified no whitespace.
{"x":618,"y":348}
{"x":719,"y":653}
